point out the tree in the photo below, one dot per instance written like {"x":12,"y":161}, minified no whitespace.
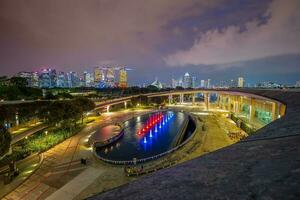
{"x":19,"y":82}
{"x":5,"y":140}
{"x":85,"y":105}
{"x":66,"y":112}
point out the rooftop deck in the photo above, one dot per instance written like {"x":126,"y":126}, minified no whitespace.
{"x":265,"y":165}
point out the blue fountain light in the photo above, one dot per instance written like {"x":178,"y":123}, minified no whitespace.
{"x":151,"y":133}
{"x":145,"y":140}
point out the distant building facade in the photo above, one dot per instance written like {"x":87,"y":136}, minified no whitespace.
{"x":241,"y":82}
{"x":123,"y":78}
{"x":187,"y":80}
{"x":47,"y":78}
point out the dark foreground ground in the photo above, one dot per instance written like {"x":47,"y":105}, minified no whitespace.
{"x":264,"y":166}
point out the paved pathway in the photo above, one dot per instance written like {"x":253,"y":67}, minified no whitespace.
{"x":27,"y":133}
{"x":62,"y":162}
{"x":75,"y":186}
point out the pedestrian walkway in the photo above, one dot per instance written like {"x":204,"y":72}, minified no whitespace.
{"x":63,"y":160}
{"x":77,"y":185}
{"x":28,"y":133}
{"x":26,"y":168}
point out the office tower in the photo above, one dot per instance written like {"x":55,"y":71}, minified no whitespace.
{"x":241,"y":82}
{"x":110,"y":77}
{"x":62,"y":80}
{"x":73,"y":80}
{"x":47,"y":78}
{"x":174,"y":83}
{"x":208,"y":83}
{"x":187,"y":80}
{"x":87,"y":79}
{"x":194,"y":79}
{"x":98,"y":75}
{"x":202,"y":83}
{"x":35,"y":79}
{"x":123,"y":78}
{"x":28,"y":76}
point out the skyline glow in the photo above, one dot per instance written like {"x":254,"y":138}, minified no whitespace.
{"x":256,"y":39}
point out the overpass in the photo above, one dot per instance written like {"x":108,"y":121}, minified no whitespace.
{"x":107,"y":104}
{"x":234,"y":101}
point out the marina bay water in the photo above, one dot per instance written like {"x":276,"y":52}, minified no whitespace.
{"x":141,"y":142}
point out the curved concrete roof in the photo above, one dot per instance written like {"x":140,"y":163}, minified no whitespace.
{"x":264,"y":166}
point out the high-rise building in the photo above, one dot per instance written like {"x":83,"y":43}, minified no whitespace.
{"x":47,"y":78}
{"x":174,"y":83}
{"x":194,"y":79}
{"x":110,"y":77}
{"x":187,"y":80}
{"x":62,"y":80}
{"x":73,"y":80}
{"x":87,"y":79}
{"x":202,"y":84}
{"x":98,"y":75}
{"x":35,"y":79}
{"x":123,"y":78}
{"x":233,"y":83}
{"x":208,"y":83}
{"x":241,"y":82}
{"x":32,"y":78}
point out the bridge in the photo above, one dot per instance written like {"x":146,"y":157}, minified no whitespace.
{"x":239,"y":102}
{"x":107,"y":104}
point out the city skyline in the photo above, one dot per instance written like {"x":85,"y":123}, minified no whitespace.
{"x":159,"y":42}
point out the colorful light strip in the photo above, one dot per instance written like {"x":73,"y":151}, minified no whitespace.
{"x":155,"y":121}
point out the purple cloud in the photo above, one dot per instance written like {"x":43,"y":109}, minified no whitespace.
{"x":278,"y":36}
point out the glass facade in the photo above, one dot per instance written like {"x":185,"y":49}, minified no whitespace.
{"x":263,"y":116}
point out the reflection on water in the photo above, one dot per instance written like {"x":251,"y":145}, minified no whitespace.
{"x":140,"y":142}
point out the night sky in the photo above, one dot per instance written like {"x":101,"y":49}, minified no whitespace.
{"x":217,"y":39}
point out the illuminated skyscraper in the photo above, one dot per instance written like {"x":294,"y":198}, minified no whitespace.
{"x":35,"y":79}
{"x":98,"y":75}
{"x":47,"y":78}
{"x":32,"y":78}
{"x":73,"y":80}
{"x":174,"y":83}
{"x":87,"y":79}
{"x":187,"y":80}
{"x":123,"y":78}
{"x":208,"y":83}
{"x":194,"y":81}
{"x":110,"y":77}
{"x":202,"y":84}
{"x":241,"y":82}
{"x":62,"y":80}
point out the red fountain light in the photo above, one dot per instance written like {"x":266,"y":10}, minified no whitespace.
{"x":153,"y":120}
